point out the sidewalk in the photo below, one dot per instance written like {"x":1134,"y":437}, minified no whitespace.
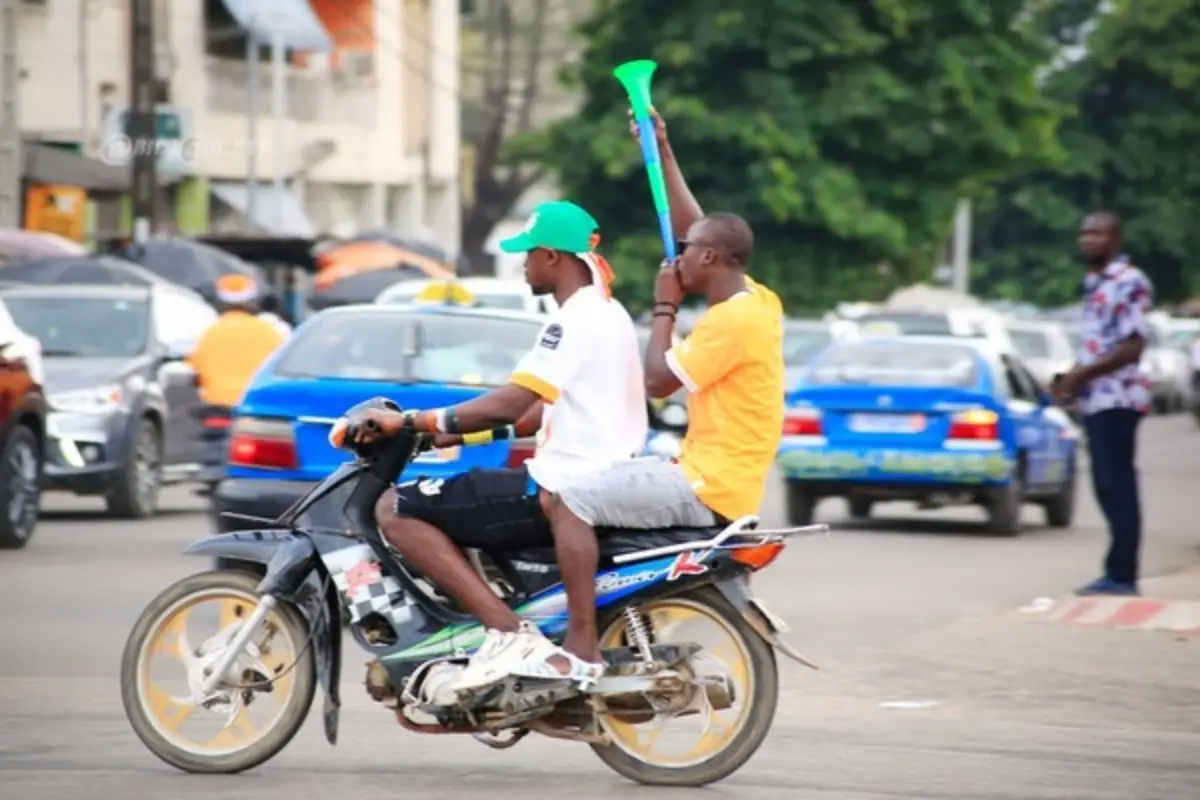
{"x":1168,"y":603}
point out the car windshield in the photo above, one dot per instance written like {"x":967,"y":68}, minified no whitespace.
{"x":801,"y":344}
{"x":453,"y":348}
{"x":83,"y":327}
{"x":895,"y":364}
{"x":911,"y":324}
{"x":1030,"y":343}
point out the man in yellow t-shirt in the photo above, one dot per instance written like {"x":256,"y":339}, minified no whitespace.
{"x":236,"y":345}
{"x":732,"y":367}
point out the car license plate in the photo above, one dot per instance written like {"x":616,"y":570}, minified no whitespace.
{"x":887,"y":423}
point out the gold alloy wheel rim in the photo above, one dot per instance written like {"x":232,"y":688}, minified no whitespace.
{"x":170,"y":712}
{"x":718,"y":728}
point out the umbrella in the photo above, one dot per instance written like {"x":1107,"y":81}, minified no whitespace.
{"x":101,"y":270}
{"x":191,"y":264}
{"x":366,"y":256}
{"x":361,"y":287}
{"x":18,"y":246}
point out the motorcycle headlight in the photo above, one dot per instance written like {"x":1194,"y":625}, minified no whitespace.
{"x":100,"y":400}
{"x":674,"y":415}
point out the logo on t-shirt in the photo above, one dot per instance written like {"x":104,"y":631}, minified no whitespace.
{"x":551,"y":336}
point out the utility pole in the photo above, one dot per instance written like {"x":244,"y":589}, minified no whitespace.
{"x":143,"y":119}
{"x":962,"y":247}
{"x":279,"y":104}
{"x":10,"y":128}
{"x":254,"y":79}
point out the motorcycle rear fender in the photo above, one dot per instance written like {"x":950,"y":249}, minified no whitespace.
{"x":736,"y":589}
{"x":295,"y":573}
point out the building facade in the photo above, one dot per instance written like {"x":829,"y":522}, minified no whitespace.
{"x":363,"y":136}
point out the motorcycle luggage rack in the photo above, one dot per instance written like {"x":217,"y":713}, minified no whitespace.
{"x":741,"y":533}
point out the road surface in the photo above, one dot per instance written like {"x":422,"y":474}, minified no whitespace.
{"x":931,"y":687}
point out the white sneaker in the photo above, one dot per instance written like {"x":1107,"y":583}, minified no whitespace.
{"x":487,"y":665}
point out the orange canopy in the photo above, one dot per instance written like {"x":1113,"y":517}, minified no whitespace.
{"x":356,"y":257}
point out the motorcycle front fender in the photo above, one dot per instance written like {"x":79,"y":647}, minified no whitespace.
{"x":294,"y":572}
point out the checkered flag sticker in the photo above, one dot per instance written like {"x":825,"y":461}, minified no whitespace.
{"x":359,"y":577}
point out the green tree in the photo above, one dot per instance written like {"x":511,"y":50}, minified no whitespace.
{"x":844,"y":132}
{"x":1131,"y":145}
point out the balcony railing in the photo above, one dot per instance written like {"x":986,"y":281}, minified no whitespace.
{"x":310,"y":97}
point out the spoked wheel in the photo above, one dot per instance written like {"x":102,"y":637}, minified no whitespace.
{"x":259,"y":705}
{"x":688,"y":742}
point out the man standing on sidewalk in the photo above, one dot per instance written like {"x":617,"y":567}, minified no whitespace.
{"x":1110,"y":392}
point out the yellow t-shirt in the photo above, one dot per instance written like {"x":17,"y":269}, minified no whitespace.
{"x":230,"y":352}
{"x":732,"y":367}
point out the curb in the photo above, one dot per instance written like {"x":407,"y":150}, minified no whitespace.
{"x":1135,"y":613}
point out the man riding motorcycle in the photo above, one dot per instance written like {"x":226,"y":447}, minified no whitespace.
{"x":580,"y":386}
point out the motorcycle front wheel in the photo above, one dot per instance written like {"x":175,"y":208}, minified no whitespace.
{"x":723,"y":740}
{"x":223,"y":732}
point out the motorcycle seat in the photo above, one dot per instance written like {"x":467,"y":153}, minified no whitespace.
{"x":620,"y":541}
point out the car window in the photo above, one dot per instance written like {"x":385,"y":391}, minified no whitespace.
{"x":913,"y":324}
{"x":801,"y":344}
{"x":181,"y":320}
{"x":1021,"y":385}
{"x":509,"y":301}
{"x":1030,"y":343}
{"x":449,"y":348}
{"x":85,"y":327}
{"x":896,"y":364}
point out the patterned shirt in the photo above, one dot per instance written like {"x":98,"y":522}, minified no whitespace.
{"x":1115,"y":304}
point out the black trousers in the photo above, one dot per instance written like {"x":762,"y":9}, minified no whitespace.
{"x":1112,"y":445}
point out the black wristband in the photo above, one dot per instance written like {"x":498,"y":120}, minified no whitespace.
{"x":668,"y":314}
{"x":671,"y":306}
{"x":450,"y":420}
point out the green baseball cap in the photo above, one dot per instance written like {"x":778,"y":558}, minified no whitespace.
{"x":555,"y":225}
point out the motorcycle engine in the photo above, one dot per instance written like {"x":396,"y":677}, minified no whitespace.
{"x":437,"y":689}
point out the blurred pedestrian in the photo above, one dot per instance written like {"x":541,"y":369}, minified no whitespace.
{"x":1194,"y":353}
{"x":271,"y":310}
{"x":1110,"y":393}
{"x":236,"y":345}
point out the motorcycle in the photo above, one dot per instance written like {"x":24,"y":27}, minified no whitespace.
{"x":279,"y":637}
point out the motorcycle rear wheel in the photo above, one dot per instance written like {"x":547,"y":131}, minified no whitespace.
{"x":725,"y":756}
{"x":153,"y":713}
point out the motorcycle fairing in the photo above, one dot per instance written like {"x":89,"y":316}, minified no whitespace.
{"x":548,"y":608}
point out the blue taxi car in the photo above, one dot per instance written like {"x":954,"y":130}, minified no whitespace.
{"x":939,"y":421}
{"x":421,"y":356}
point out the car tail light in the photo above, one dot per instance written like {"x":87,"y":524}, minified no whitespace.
{"x":218,"y":422}
{"x":978,"y":424}
{"x":520,"y":451}
{"x":265,"y":443}
{"x":802,"y":422}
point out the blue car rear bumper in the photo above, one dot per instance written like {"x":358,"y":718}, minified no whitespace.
{"x":890,"y":467}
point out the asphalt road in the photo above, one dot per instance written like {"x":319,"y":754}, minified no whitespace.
{"x":931,"y":687}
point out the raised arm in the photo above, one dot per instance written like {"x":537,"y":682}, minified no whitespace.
{"x":684,"y":208}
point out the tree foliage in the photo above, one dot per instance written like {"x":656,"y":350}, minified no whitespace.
{"x":1131,"y":145}
{"x":844,"y":132}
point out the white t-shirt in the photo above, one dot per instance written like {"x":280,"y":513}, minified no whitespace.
{"x":587,"y":367}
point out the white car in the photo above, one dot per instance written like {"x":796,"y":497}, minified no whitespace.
{"x":1044,"y":346}
{"x":479,"y":292}
{"x":971,"y":323}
